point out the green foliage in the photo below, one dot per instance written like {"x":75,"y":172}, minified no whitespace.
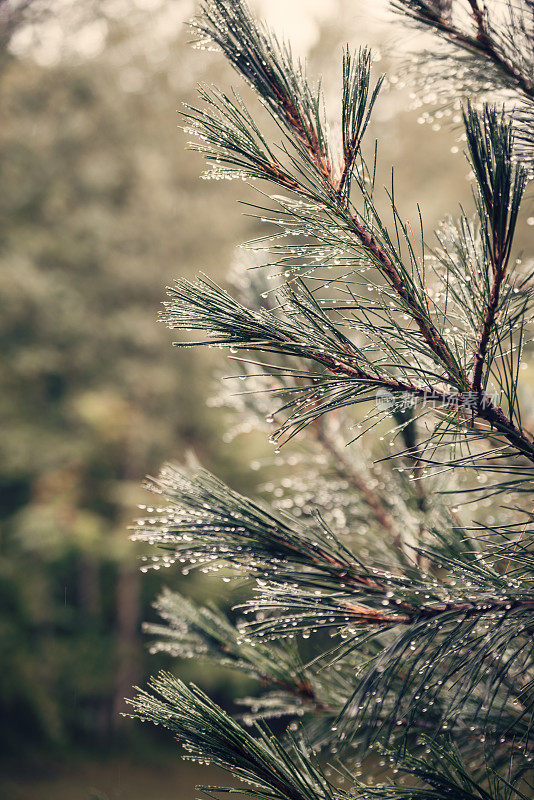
{"x":88,"y":218}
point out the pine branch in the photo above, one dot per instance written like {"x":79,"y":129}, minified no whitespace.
{"x":204,"y":632}
{"x":365,"y":501}
{"x":196,"y":632}
{"x":210,"y":525}
{"x":272,"y":73}
{"x":271,"y":769}
{"x":297,"y":327}
{"x":308,"y":581}
{"x":269,"y":67}
{"x":356,"y":110}
{"x":489,"y":49}
{"x":501,"y":184}
{"x":483,"y":41}
{"x":430,"y":636}
{"x":302,"y":329}
{"x":445,"y":776}
{"x":346,"y":470}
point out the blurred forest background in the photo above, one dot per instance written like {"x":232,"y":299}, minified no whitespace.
{"x":101,"y":206}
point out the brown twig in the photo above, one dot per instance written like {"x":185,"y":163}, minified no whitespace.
{"x":430,"y":334}
{"x":347,"y":471}
{"x":482,"y":44}
{"x":499,"y":265}
{"x":485,"y":334}
{"x":350,"y":151}
{"x":305,"y":131}
{"x":371,"y":616}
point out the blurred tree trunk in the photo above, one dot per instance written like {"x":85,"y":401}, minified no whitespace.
{"x":89,"y":585}
{"x":128,"y":615}
{"x":128,"y":601}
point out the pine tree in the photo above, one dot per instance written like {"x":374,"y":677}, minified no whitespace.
{"x":390,"y":616}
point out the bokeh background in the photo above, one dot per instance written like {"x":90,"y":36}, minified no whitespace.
{"x":101,"y":206}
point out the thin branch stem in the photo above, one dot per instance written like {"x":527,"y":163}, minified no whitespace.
{"x":468,"y":609}
{"x":430,"y":334}
{"x":486,"y":331}
{"x":487,"y":47}
{"x":347,"y":471}
{"x":481,"y":44}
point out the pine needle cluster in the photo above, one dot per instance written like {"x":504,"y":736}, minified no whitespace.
{"x":390,"y":617}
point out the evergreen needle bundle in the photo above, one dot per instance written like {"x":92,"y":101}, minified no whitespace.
{"x":418,"y":617}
